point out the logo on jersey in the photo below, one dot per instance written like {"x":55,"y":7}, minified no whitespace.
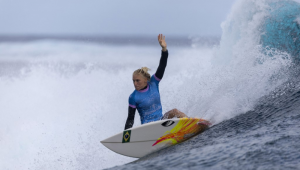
{"x":126,"y":136}
{"x":168,"y":123}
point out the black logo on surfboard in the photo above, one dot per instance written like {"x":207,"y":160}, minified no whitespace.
{"x":168,"y":123}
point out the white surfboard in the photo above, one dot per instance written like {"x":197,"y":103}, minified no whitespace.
{"x":148,"y":138}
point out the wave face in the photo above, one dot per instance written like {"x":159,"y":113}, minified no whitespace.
{"x":59,"y":99}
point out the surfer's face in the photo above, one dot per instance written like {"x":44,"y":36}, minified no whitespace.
{"x":139,"y":81}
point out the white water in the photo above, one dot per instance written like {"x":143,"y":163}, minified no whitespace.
{"x":58,"y":99}
{"x":298,"y":20}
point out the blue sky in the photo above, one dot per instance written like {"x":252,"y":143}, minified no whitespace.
{"x":113,"y":17}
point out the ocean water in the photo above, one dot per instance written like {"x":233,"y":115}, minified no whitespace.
{"x":60,"y":96}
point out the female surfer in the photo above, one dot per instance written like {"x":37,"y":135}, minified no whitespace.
{"x":146,"y":98}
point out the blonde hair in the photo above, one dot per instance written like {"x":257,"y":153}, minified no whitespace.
{"x":143,"y":71}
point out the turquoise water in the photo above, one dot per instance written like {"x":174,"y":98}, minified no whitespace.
{"x":282,"y":27}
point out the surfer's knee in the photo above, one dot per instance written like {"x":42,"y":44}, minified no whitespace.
{"x":174,"y":113}
{"x":175,"y":110}
{"x":170,"y":114}
{"x":178,"y":113}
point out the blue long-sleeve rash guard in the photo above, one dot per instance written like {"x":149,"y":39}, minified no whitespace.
{"x":147,"y":101}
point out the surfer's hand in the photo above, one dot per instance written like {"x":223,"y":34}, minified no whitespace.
{"x":162,"y":42}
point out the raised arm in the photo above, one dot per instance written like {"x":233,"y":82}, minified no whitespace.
{"x":164,"y":57}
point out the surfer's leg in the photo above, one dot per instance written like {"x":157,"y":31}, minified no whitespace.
{"x":174,"y":113}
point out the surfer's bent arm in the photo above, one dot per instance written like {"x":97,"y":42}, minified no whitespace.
{"x":162,"y":64}
{"x":130,"y":118}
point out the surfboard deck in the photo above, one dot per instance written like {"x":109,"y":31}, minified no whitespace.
{"x":148,"y":138}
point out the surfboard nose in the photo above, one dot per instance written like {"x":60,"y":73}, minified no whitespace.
{"x":114,"y":139}
{"x":106,"y":140}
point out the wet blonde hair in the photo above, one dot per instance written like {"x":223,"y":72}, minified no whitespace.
{"x":143,"y":71}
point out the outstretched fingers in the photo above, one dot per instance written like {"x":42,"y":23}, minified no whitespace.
{"x":159,"y":37}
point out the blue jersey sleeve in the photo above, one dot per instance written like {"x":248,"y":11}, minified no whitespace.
{"x":154,"y":79}
{"x":131,"y":101}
